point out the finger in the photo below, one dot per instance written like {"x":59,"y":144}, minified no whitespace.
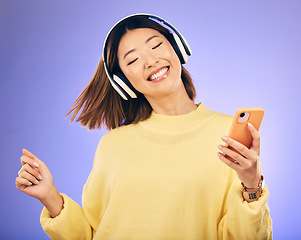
{"x":32,"y":156}
{"x":21,"y":182}
{"x":232,"y":154}
{"x":28,"y":177}
{"x":228,"y":162}
{"x":27,"y":160}
{"x":33,"y":161}
{"x":256,"y":138}
{"x":33,"y":171}
{"x":28,"y":154}
{"x":240,"y":148}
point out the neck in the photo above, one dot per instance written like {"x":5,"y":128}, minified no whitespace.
{"x":173,"y":104}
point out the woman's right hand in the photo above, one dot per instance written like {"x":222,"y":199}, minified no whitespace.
{"x":35,"y":180}
{"x":34,"y":177}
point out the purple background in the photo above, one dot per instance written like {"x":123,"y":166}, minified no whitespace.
{"x":245,"y":54}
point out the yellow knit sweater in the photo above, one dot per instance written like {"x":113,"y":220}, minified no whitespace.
{"x":161,"y":179}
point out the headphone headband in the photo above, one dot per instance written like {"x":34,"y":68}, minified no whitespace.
{"x":118,"y":80}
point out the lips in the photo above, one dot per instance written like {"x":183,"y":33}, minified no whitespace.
{"x":158,"y":73}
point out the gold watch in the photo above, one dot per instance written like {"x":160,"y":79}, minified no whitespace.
{"x":253,"y":194}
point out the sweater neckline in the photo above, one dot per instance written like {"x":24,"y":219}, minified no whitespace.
{"x":177,"y":123}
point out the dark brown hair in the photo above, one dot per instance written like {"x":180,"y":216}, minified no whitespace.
{"x":101,"y":104}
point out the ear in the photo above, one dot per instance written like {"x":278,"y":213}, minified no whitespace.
{"x":177,"y":45}
{"x":181,"y":47}
{"x":125,"y":84}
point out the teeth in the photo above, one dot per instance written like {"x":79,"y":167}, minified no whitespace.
{"x":158,"y":74}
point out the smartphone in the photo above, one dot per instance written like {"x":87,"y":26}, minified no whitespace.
{"x":239,"y":130}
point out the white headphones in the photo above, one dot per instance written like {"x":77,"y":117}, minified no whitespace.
{"x":119,"y":82}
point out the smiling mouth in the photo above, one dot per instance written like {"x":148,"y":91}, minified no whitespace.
{"x":158,"y":74}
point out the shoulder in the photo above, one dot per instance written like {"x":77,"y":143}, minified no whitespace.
{"x":219,"y":121}
{"x":219,"y":117}
{"x":117,"y":136}
{"x":223,"y":117}
{"x":112,"y":144}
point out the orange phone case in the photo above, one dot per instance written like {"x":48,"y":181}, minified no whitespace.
{"x":239,"y":130}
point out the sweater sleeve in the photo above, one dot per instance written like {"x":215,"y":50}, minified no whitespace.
{"x":243,"y":220}
{"x":71,"y":223}
{"x":74,"y":221}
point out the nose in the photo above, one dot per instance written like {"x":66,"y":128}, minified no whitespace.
{"x":150,"y":60}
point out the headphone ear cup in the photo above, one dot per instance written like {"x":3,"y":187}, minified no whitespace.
{"x":125,"y":84}
{"x":178,"y":47}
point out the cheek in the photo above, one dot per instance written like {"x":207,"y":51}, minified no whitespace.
{"x":128,"y":72}
{"x":134,"y":76}
{"x":171,"y":55}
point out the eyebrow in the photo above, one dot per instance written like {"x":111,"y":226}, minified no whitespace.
{"x":132,"y":50}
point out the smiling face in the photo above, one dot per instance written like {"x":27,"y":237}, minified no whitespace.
{"x":149,"y":62}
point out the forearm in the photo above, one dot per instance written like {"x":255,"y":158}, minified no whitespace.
{"x":71,"y":223}
{"x":53,"y":202}
{"x":243,"y":220}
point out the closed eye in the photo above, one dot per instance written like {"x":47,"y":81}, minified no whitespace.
{"x":157,"y":45}
{"x":132,"y":61}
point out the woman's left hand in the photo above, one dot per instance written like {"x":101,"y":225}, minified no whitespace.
{"x":246,"y":161}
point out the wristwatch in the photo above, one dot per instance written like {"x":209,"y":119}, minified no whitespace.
{"x":253,"y":194}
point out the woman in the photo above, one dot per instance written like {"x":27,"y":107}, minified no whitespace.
{"x":156,"y":174}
